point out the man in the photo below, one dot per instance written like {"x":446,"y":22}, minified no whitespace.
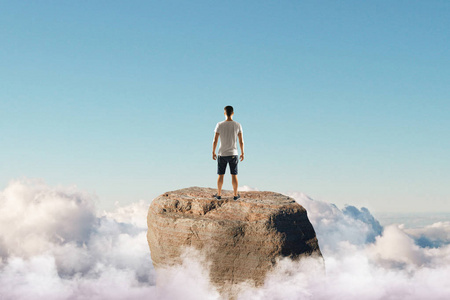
{"x":228,"y":131}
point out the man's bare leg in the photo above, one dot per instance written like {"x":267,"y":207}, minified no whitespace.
{"x":234,"y":180}
{"x":219,"y":185}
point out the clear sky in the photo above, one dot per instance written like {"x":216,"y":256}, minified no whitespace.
{"x":346,"y":101}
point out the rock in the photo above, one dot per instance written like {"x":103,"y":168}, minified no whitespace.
{"x":242,"y":239}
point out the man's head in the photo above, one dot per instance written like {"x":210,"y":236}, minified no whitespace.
{"x":228,"y":110}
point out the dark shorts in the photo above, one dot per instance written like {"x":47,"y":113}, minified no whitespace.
{"x":222,"y":162}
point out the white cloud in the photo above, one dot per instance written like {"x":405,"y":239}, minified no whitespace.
{"x":55,"y":245}
{"x":434,"y":235}
{"x":134,"y":214}
{"x":397,"y":248}
{"x":246,"y":188}
{"x":34,"y":217}
{"x":190,"y":281}
{"x":334,"y":226}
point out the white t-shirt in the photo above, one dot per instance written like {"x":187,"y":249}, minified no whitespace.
{"x":228,"y":132}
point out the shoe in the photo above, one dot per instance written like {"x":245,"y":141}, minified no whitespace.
{"x":236,"y":197}
{"x":217,"y":197}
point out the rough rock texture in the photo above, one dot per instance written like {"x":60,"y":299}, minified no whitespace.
{"x":242,"y":239}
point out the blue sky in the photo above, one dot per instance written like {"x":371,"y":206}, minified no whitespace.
{"x":345,"y":101}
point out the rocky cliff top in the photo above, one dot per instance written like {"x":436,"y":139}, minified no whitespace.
{"x":197,"y":202}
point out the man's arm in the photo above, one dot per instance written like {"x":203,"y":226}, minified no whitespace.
{"x":241,"y":144}
{"x":216,"y":138}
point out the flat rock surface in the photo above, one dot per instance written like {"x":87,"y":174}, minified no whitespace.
{"x":241,"y":239}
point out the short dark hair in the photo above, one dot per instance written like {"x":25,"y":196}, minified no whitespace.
{"x":229,"y":110}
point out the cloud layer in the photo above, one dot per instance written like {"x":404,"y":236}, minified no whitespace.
{"x":54,"y":244}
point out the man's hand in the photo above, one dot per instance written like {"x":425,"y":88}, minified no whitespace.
{"x":242,"y":156}
{"x":214,"y":156}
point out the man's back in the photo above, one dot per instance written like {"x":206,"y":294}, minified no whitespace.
{"x":228,"y":133}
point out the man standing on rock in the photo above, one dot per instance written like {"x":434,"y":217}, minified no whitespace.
{"x":228,"y":131}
